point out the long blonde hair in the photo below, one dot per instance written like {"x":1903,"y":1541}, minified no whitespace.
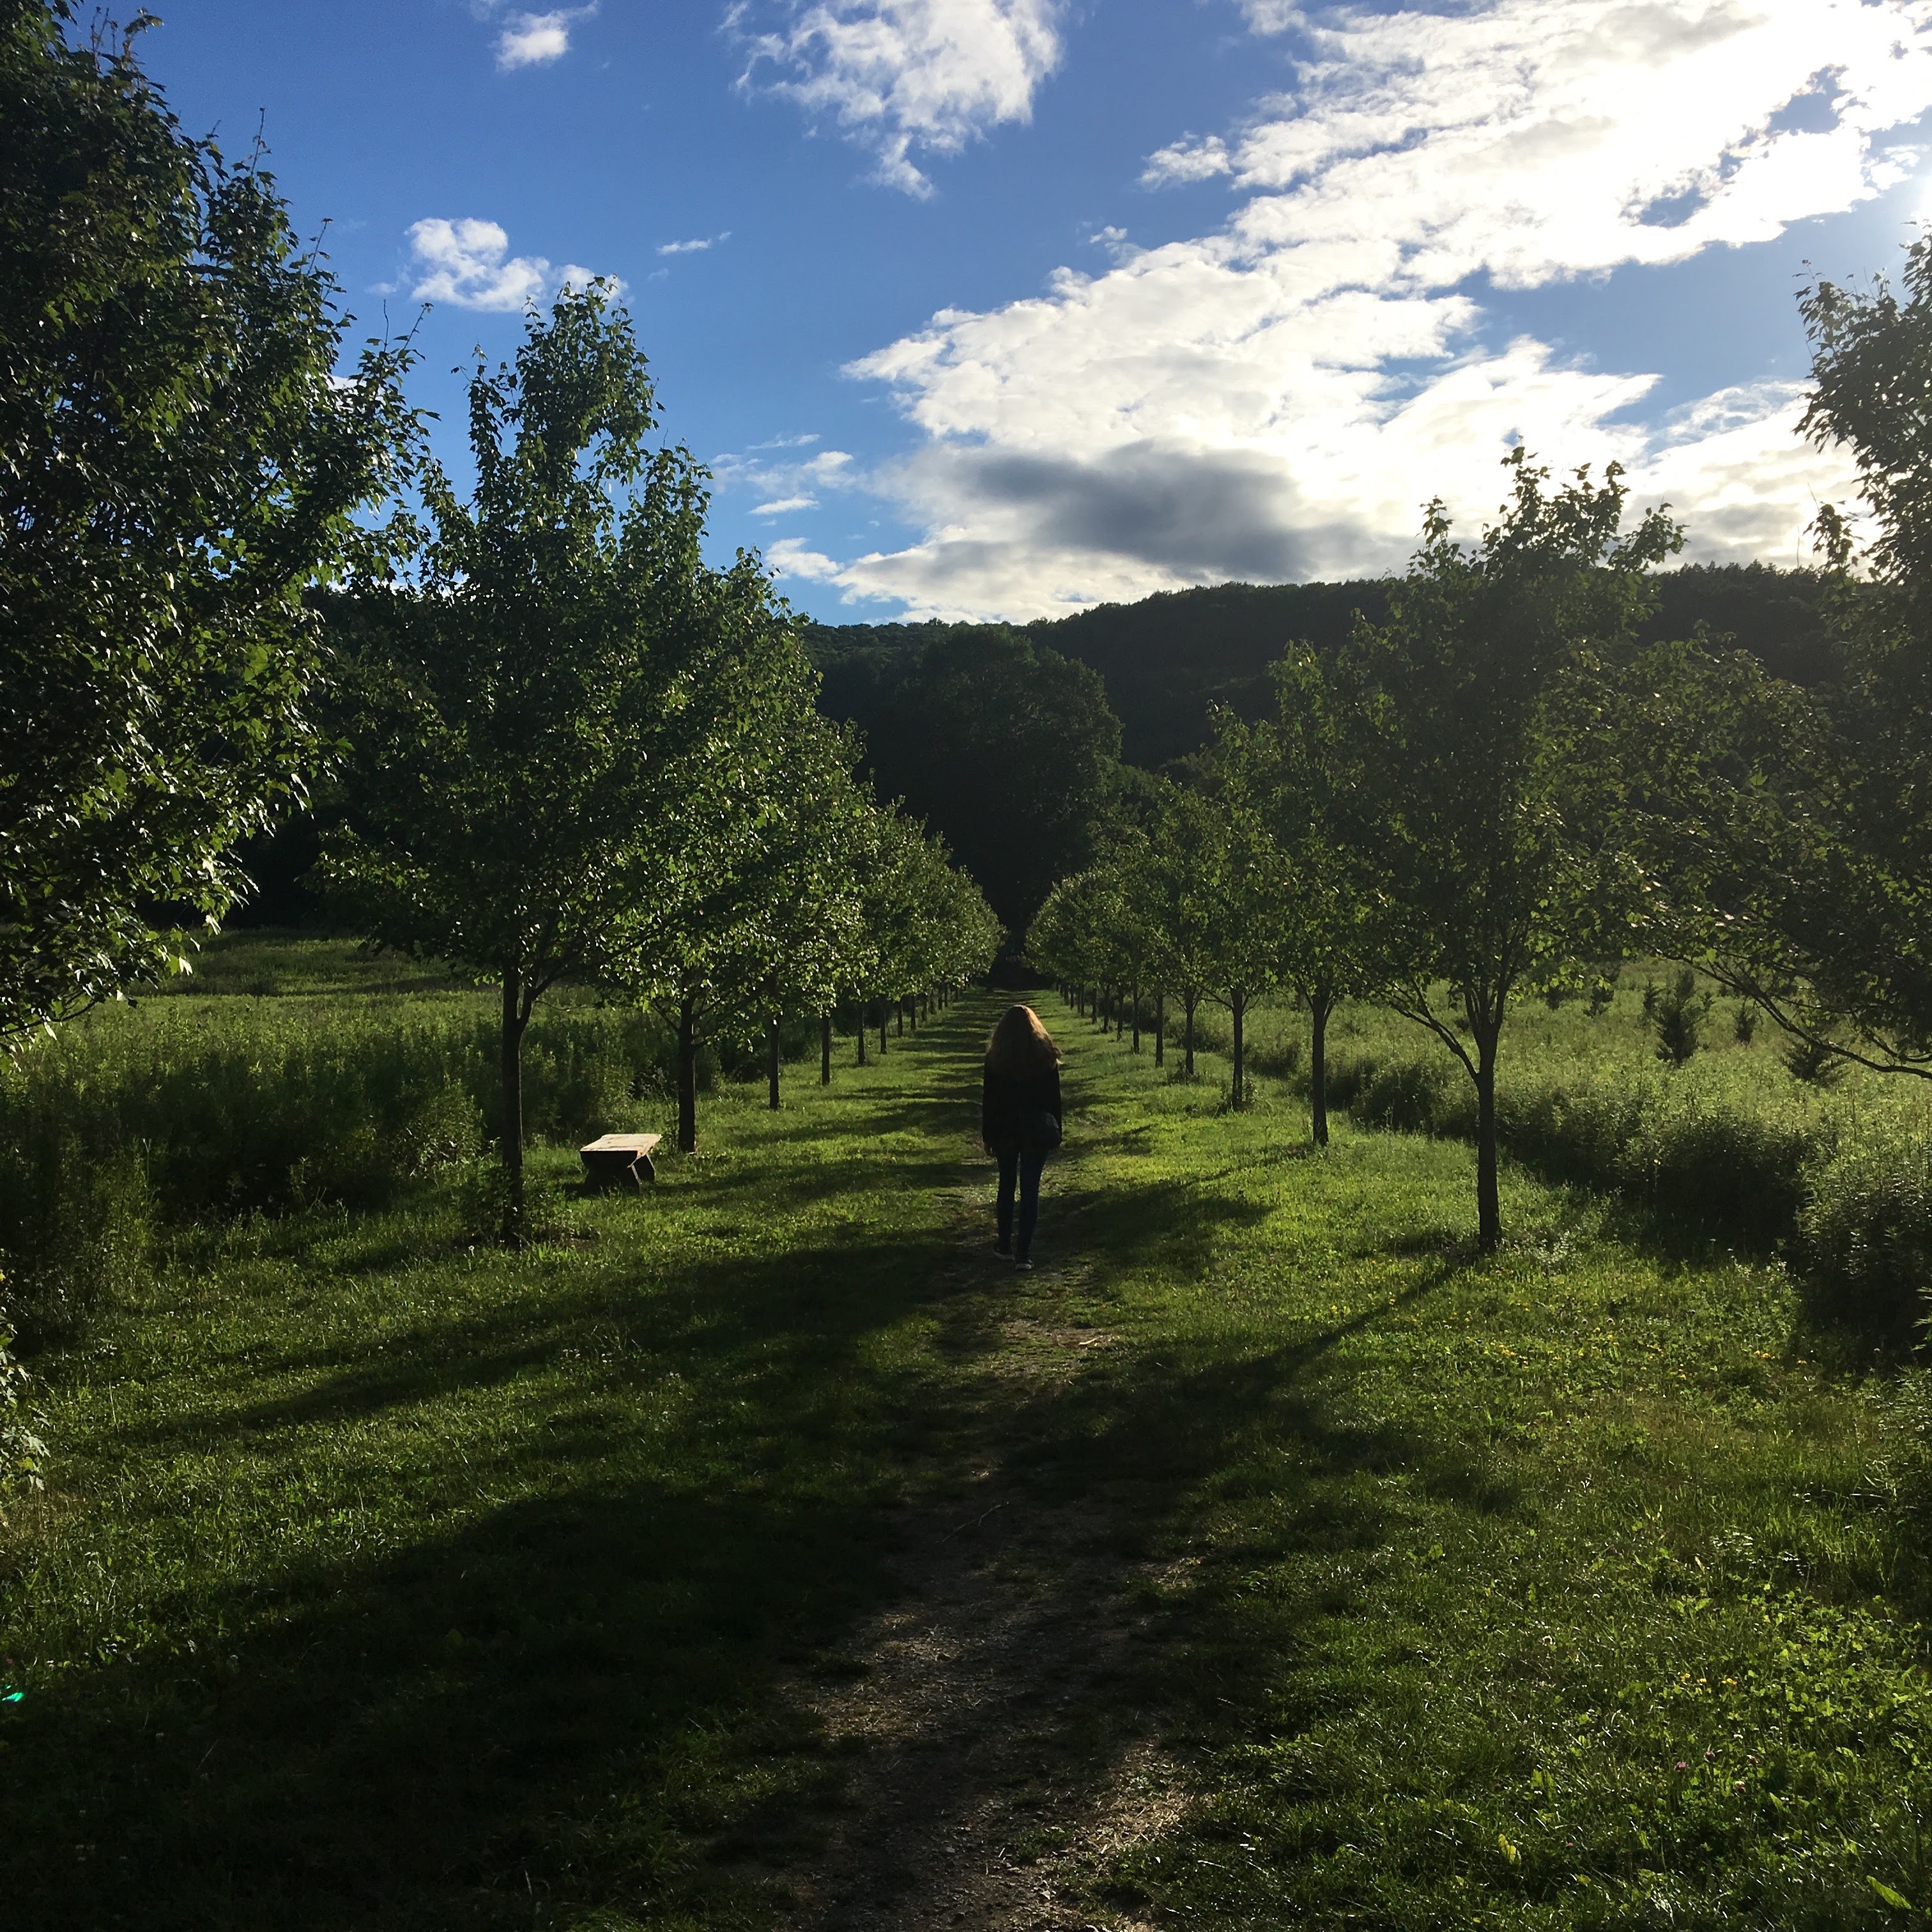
{"x":1019,"y":1046}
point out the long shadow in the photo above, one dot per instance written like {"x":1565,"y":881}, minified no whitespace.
{"x":1097,"y":1475}
{"x":546,"y":1703}
{"x":544,"y":1708}
{"x":452,"y":1736}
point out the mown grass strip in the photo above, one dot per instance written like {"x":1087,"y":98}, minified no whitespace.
{"x":386,"y":1580}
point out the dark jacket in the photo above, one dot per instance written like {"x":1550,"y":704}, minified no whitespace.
{"x":1005,"y":1104}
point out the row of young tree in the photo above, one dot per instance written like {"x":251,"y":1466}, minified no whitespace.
{"x":557,"y":744}
{"x":1498,"y":789}
{"x":576,"y":751}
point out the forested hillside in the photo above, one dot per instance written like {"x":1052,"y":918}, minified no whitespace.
{"x":1166,"y":660}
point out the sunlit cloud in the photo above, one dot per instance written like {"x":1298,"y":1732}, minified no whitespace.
{"x":902,"y":77}
{"x":1274,"y":399}
{"x":536,"y":39}
{"x":467,"y":264}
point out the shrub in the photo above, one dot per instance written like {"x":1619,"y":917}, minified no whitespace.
{"x":1865,"y":1232}
{"x":72,"y":1232}
{"x":1814,"y":1063}
{"x":21,"y":1450}
{"x":1677,"y":1016}
{"x":1744,"y":1025}
{"x":1408,"y":1096}
{"x":1702,"y":1150}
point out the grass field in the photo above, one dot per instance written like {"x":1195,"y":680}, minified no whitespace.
{"x":757,"y":1553}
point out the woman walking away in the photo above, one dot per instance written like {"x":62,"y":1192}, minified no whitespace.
{"x":1019,"y":1120}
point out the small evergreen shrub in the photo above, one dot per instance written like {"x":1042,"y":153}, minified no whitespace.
{"x":1677,"y":1015}
{"x":1814,"y":1063}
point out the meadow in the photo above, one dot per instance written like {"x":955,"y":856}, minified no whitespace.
{"x":757,"y":1553}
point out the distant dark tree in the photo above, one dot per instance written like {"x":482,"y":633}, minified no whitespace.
{"x":180,"y":462}
{"x":1008,"y":753}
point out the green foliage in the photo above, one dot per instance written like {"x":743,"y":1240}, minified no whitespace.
{"x":1009,"y":754}
{"x":1472,"y":718}
{"x":181,"y":465}
{"x":531,"y":723}
{"x":1788,"y":832}
{"x":1865,"y":1232}
{"x":23,"y":1451}
{"x":1677,"y":1015}
{"x":77,"y":1220}
{"x":1814,"y":1059}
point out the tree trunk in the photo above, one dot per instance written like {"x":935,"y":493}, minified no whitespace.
{"x":513,"y":1106}
{"x":687,"y":1075}
{"x":1489,"y":1206}
{"x":1160,"y":1026}
{"x":1120,"y":1015}
{"x":1238,"y":1006}
{"x":1319,"y":1001}
{"x":1187,"y":1001}
{"x":862,"y":1032}
{"x":825,"y":1049}
{"x":900,"y":1029}
{"x":1137,"y":1016}
{"x":885,"y":1020}
{"x":774,"y":1046}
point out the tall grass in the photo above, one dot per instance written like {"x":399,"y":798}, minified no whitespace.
{"x":180,"y":1110}
{"x":1732,"y":1143}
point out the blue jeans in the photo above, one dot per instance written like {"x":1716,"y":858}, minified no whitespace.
{"x":1023,"y":1164}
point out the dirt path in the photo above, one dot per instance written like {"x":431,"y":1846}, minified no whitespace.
{"x":995,"y":1752}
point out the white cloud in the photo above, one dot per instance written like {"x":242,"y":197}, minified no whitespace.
{"x":899,"y":75}
{"x":1275,"y":399}
{"x":781,"y":506}
{"x":1189,"y":159}
{"x":534,"y":39}
{"x":693,"y":248}
{"x":790,"y":557}
{"x":467,"y":263}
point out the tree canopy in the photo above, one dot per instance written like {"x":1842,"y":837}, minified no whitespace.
{"x":1008,"y":753}
{"x":516,"y":720}
{"x":183,"y":462}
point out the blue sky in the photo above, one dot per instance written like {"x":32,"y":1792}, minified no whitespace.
{"x":1000,"y":307}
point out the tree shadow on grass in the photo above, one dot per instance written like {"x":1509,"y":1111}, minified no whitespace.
{"x":553,"y":1704}
{"x":556,"y":1698}
{"x":548,"y":1704}
{"x":1088,"y":1648}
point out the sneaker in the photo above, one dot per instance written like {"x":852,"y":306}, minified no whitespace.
{"x":1024,"y":1265}
{"x":1004,"y":1249}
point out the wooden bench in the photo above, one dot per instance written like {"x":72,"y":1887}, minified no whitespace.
{"x":619,"y":1160}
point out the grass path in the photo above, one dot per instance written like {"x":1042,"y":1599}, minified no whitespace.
{"x":759,"y":1553}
